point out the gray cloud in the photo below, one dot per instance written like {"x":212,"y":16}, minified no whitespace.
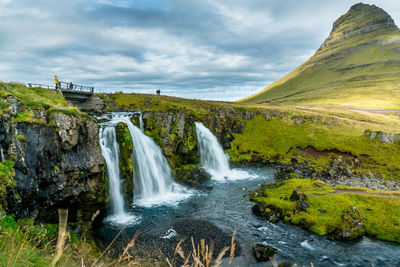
{"x":222,"y":50}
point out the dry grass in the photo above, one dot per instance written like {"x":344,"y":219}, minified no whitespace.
{"x":202,"y":254}
{"x":62,"y":235}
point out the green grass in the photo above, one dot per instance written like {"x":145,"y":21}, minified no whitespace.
{"x":382,"y":214}
{"x":6,"y":179}
{"x":279,"y":138}
{"x":146,"y":102}
{"x":33,"y":98}
{"x":24,"y":243}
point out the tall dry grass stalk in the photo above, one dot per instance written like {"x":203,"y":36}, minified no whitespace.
{"x":202,"y":254}
{"x":126,"y":257}
{"x":233,"y":247}
{"x":62,"y":234}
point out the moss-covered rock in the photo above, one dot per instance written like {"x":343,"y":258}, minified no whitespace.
{"x":125,"y":159}
{"x":175,"y":133}
{"x":343,"y":215}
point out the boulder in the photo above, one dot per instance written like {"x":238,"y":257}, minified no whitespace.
{"x":383,"y":137}
{"x":201,"y":175}
{"x":352,"y":225}
{"x":298,"y":195}
{"x":298,"y":121}
{"x":263,"y":252}
{"x":258,"y":209}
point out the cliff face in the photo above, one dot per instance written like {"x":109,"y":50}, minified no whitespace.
{"x":360,"y":19}
{"x":58,"y":163}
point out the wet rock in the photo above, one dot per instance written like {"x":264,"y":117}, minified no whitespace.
{"x":271,"y":212}
{"x":201,"y":175}
{"x":263,"y":252}
{"x":258,"y":209}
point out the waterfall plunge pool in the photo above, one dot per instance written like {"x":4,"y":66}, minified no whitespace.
{"x":227,"y":206}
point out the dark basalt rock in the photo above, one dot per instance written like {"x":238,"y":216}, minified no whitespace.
{"x":263,"y":252}
{"x":297,"y":195}
{"x":55,"y":167}
{"x":271,"y":212}
{"x":201,"y":175}
{"x":258,"y":209}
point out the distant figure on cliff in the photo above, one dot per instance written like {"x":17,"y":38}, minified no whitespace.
{"x":71,"y":86}
{"x":56,"y":81}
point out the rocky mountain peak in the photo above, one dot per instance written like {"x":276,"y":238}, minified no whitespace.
{"x":361,"y":19}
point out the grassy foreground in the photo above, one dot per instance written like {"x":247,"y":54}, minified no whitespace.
{"x":381,"y":214}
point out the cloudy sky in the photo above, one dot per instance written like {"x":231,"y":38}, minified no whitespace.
{"x":209,"y":49}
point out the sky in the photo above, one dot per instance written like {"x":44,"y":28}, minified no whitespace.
{"x":209,"y":49}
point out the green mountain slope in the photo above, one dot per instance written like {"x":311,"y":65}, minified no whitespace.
{"x":358,"y":65}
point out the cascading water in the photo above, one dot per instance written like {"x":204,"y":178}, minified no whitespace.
{"x":213,"y":158}
{"x":153,"y":181}
{"x":110,"y":152}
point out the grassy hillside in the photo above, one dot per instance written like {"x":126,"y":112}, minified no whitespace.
{"x":358,"y":66}
{"x":280,"y":137}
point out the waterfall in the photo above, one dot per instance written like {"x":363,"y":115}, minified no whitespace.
{"x":212,"y":156}
{"x":110,"y":152}
{"x":153,"y":181}
{"x":152,"y":178}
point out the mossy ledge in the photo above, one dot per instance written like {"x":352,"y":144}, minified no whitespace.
{"x":313,"y":205}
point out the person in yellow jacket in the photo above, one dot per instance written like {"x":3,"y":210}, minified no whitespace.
{"x":56,"y":81}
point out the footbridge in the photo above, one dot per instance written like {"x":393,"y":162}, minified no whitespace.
{"x":81,"y":96}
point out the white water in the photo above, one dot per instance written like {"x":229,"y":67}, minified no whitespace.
{"x":110,"y":152}
{"x":213,"y":159}
{"x":153,"y":182}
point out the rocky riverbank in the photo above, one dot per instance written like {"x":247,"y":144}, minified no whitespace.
{"x":338,"y":172}
{"x":338,"y":214}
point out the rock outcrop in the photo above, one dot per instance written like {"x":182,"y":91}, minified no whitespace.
{"x":58,"y":164}
{"x":360,"y":19}
{"x":383,"y":137}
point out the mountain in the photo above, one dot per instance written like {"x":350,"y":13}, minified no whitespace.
{"x":358,"y":65}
